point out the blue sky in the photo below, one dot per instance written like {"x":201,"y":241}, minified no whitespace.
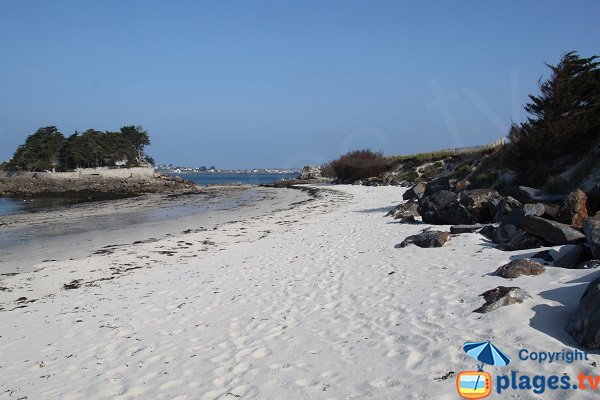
{"x":240,"y":84}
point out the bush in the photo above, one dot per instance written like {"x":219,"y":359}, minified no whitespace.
{"x":557,"y":185}
{"x":462,"y":171}
{"x":485,"y":178}
{"x":359,"y":164}
{"x":412,"y":176}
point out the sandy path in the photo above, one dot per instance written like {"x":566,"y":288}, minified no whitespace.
{"x":320,"y":307}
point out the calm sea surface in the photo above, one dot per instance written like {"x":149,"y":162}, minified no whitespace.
{"x":12,"y":205}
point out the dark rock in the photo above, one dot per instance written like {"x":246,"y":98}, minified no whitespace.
{"x":551,"y":231}
{"x":431,"y":207}
{"x":415,"y":192}
{"x":404,"y":210}
{"x":575,"y":256}
{"x":487,"y":230}
{"x":502,"y":296}
{"x":531,"y":195}
{"x":520,"y":267}
{"x":584,"y":324}
{"x":461,"y":185}
{"x":521,"y":241}
{"x":456,"y":229}
{"x":551,"y":212}
{"x":436,"y":185}
{"x":503,"y":207}
{"x":515,"y":217}
{"x":589,"y":264}
{"x":427,"y":238}
{"x":467,"y":208}
{"x":593,"y":196}
{"x":408,"y":219}
{"x":573,"y":210}
{"x":544,"y":255}
{"x":504,"y":233}
{"x":591,"y":227}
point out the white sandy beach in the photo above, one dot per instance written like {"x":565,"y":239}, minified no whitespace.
{"x":310,"y":301}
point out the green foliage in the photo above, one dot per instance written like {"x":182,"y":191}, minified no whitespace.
{"x":461,"y":171}
{"x":411,"y":176}
{"x":359,"y":164}
{"x":564,"y":120}
{"x":48,"y":149}
{"x":556,"y":184}
{"x":484,"y":178}
{"x":40,"y":151}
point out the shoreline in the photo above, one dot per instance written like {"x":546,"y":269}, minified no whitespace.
{"x":310,"y":301}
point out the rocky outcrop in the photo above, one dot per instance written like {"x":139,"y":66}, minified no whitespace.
{"x":584,"y":324}
{"x":573,"y":211}
{"x":543,"y":255}
{"x":591,"y":227}
{"x":415,"y":192}
{"x":404,"y":210}
{"x":500,"y":297}
{"x":466,"y":208}
{"x":516,"y":216}
{"x":42,"y":185}
{"x":310,"y":172}
{"x":436,"y":185}
{"x":521,"y":240}
{"x":500,"y":208}
{"x":593,"y":196}
{"x":527,"y":194}
{"x":427,"y":238}
{"x":516,"y":268}
{"x":574,"y":257}
{"x":551,"y":231}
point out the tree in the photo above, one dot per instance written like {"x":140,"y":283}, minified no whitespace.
{"x":138,"y":138}
{"x":563,"y":122}
{"x":40,"y":152}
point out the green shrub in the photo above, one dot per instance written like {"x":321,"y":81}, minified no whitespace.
{"x":556,"y":184}
{"x":462,"y":171}
{"x":485,"y":178}
{"x":411,"y":176}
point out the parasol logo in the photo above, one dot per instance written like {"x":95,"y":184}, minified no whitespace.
{"x":478,"y":384}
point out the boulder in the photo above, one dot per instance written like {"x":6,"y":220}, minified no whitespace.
{"x":415,"y":192}
{"x":521,"y":241}
{"x":404,"y":210}
{"x":575,"y":256}
{"x":573,"y":210}
{"x":456,"y":229}
{"x":591,"y":228}
{"x":520,"y":267}
{"x":408,"y":219}
{"x":504,"y":233}
{"x":427,"y":238}
{"x":502,"y":296}
{"x":461,"y":185}
{"x":467,"y":208}
{"x":551,"y":211}
{"x":432,"y":208}
{"x":551,"y":231}
{"x":584,"y":324}
{"x":516,"y":216}
{"x":531,"y":195}
{"x":543,"y":255}
{"x":593,"y":196}
{"x":487,"y":231}
{"x":311,"y":172}
{"x":434,"y":186}
{"x":499,"y":209}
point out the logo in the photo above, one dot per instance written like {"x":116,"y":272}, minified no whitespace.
{"x":478,"y":384}
{"x":474,"y":384}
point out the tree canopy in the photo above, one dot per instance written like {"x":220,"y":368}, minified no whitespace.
{"x":48,"y":149}
{"x":564,"y":119}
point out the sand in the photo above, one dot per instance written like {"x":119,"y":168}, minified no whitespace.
{"x":311,"y":301}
